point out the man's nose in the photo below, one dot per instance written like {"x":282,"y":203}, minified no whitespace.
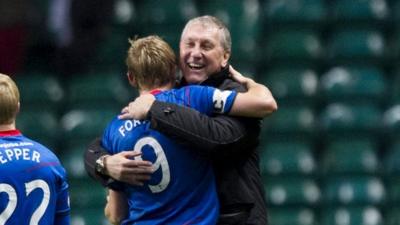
{"x":196,"y":51}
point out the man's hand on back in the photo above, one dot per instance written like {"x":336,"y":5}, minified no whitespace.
{"x":139,"y":108}
{"x":123,"y":167}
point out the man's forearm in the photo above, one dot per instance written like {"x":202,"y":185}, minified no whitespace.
{"x":93,"y":153}
{"x":116,"y":168}
{"x":191,"y":128}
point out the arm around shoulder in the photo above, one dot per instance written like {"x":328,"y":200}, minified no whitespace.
{"x":191,"y":128}
{"x":257,"y":102}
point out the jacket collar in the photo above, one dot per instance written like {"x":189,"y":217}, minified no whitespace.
{"x":213,"y":80}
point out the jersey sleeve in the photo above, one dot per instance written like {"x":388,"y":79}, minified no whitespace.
{"x":210,"y":100}
{"x":106,"y":140}
{"x":63,"y":202}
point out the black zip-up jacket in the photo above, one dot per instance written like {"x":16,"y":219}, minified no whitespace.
{"x":231,"y":142}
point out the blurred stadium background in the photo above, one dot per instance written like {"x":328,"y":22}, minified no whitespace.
{"x":329,"y":156}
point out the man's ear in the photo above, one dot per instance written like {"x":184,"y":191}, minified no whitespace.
{"x":131,"y":79}
{"x":225,"y":59}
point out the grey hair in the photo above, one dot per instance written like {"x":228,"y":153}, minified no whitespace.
{"x":207,"y":20}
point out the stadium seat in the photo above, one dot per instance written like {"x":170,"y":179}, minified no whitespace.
{"x":124,"y":15}
{"x":289,"y":45}
{"x":40,"y":125}
{"x":295,"y":11}
{"x":87,"y":193}
{"x":292,"y":119}
{"x":164,"y":18}
{"x":394,"y":45}
{"x":164,"y":13}
{"x":356,"y":44}
{"x":291,"y":191}
{"x":391,"y":159}
{"x":365,"y":10}
{"x":395,"y":86}
{"x":88,"y":216}
{"x":42,"y":6}
{"x":244,"y":22}
{"x":99,"y":91}
{"x":291,"y":84}
{"x":345,"y":118}
{"x":292,"y":216}
{"x":111,"y":52}
{"x":40,"y":36}
{"x":392,"y":216}
{"x":353,"y":84}
{"x":393,"y":185}
{"x":395,"y":6}
{"x":287,"y":158}
{"x":169,"y":33}
{"x":391,"y":121}
{"x":72,"y":158}
{"x":84,"y":125}
{"x":42,"y":91}
{"x":355,"y":215}
{"x":358,"y":156}
{"x":353,"y":190}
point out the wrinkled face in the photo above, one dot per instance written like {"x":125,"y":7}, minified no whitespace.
{"x":201,"y":53}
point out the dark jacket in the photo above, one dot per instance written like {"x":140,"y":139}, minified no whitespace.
{"x":231,"y":142}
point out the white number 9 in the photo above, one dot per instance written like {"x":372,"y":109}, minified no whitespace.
{"x":161,"y":161}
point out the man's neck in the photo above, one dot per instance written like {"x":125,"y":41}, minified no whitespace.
{"x":6,"y":127}
{"x":150,"y":90}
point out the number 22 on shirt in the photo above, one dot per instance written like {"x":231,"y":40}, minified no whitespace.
{"x":13,"y":199}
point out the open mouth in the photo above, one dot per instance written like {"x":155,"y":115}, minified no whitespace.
{"x":195,"y":66}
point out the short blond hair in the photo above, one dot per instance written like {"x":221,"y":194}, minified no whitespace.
{"x":151,"y":61}
{"x":9,"y":99}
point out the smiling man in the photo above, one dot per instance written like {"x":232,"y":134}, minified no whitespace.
{"x":203,"y":50}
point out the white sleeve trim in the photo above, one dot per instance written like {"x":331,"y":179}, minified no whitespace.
{"x":220,"y":99}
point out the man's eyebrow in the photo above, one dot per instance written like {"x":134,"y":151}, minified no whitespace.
{"x":207,"y":41}
{"x":189,"y":39}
